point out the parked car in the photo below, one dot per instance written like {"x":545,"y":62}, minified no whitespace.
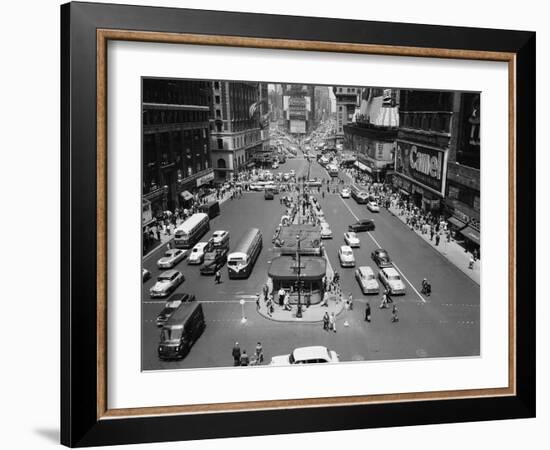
{"x":220,"y":238}
{"x":145,"y":275}
{"x":345,"y":193}
{"x":351,"y":239}
{"x":307,"y":355}
{"x":346,"y":256}
{"x":196,"y":256}
{"x":367,"y":281}
{"x":362,"y":225}
{"x":171,"y":305}
{"x":391,"y":279}
{"x":381,"y":258}
{"x":326,"y":232}
{"x":214,"y":261}
{"x":372,"y":206}
{"x":166,"y":283}
{"x":171,"y":258}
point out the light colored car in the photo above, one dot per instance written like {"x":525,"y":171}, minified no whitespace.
{"x":307,"y":355}
{"x":196,"y":256}
{"x":166,"y":283}
{"x":351,"y":239}
{"x":367,"y":281}
{"x":171,"y":258}
{"x":372,"y":206}
{"x":345,"y":193}
{"x":326,"y":232}
{"x":391,"y":279}
{"x":346,"y":256}
{"x":220,"y":238}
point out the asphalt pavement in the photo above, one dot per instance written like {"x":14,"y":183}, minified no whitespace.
{"x":446,"y":324}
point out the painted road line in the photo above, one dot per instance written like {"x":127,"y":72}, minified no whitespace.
{"x":379,"y":246}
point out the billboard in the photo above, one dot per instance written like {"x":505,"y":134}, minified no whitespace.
{"x":425,"y":165}
{"x":298,"y":126}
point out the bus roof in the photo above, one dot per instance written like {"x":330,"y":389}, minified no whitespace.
{"x":192,"y":222}
{"x":246,"y":241}
{"x":181,"y":314}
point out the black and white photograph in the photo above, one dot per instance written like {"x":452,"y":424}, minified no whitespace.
{"x":292,"y":224}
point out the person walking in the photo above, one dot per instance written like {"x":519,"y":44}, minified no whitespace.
{"x":259,"y":353}
{"x":236,"y":354}
{"x":367,"y":312}
{"x":350,"y":302}
{"x":218,"y":277}
{"x":394,"y":317}
{"x":437,"y":238}
{"x":432,"y":232}
{"x":245,"y":360}
{"x":332,"y":322}
{"x":384,"y":302}
{"x":326,"y":321}
{"x":258,"y":301}
{"x":281,"y":296}
{"x":471,"y":263}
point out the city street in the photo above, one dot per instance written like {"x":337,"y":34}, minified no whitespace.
{"x":442,"y":325}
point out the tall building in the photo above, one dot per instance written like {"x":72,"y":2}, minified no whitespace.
{"x":372,"y":134}
{"x":346,"y":102}
{"x":298,"y":104}
{"x":276,"y":103}
{"x":176,"y":143}
{"x":322,"y":104}
{"x":236,"y":126}
{"x":437,"y":156}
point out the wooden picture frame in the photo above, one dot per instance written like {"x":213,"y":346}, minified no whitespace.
{"x":86,"y":419}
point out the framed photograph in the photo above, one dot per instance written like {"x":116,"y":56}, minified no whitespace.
{"x":277,"y":224}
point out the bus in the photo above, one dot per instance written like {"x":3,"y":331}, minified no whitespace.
{"x":332,"y":170}
{"x":359,"y":196}
{"x":189,"y":232}
{"x":241,"y":262}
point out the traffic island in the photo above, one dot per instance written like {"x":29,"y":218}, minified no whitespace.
{"x":313,"y":314}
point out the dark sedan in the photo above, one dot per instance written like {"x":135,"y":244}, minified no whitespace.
{"x":362,"y":225}
{"x":214,"y":260}
{"x":381,"y":258}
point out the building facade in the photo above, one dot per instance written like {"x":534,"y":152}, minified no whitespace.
{"x":438,"y":156}
{"x":372,"y":134}
{"x":236,"y":133}
{"x":298,"y":105}
{"x":347,"y":100}
{"x":176,"y":143}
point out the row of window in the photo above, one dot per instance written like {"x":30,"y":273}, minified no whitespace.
{"x":181,"y":92}
{"x":161,"y":117}
{"x":429,"y":121}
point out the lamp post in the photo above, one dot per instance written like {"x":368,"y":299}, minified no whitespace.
{"x":299,"y":272}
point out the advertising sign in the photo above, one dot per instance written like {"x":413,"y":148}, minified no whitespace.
{"x":427,"y":166}
{"x":205,"y":179}
{"x":298,"y":126}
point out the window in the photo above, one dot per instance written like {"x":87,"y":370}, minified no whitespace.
{"x":220,"y":144}
{"x":217,"y":99}
{"x":216,"y":84}
{"x":218,"y":113}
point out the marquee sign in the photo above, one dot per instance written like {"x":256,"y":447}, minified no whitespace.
{"x":425,"y":165}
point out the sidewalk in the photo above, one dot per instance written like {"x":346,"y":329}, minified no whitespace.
{"x":313,"y":314}
{"x":450,"y":250}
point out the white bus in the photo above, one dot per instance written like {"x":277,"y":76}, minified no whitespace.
{"x":189,"y":232}
{"x":332,"y":170}
{"x":241,"y":262}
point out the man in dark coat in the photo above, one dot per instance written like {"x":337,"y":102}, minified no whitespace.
{"x":367,"y":312}
{"x":236,"y":354}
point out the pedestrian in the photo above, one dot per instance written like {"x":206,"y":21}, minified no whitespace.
{"x":471,"y":263}
{"x":432,"y":233}
{"x":476,"y":254}
{"x":323,"y":194}
{"x":367,"y":312}
{"x":388,"y":296}
{"x":332,"y":322}
{"x":286,"y":302}
{"x":168,"y":246}
{"x":326,"y":321}
{"x":245,"y":360}
{"x":437,"y":238}
{"x":384,"y":302}
{"x":259,"y":353}
{"x":218,"y":277}
{"x":394,"y":317}
{"x":282,"y":293}
{"x":258,"y":301}
{"x":266,"y":291}
{"x":236,"y":354}
{"x":350,"y":302}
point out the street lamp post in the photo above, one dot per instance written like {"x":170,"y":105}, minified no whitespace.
{"x":299,"y":273}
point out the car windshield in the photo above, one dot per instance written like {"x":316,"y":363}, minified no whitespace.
{"x":347,"y":252}
{"x":369,"y":276}
{"x":393,"y":277}
{"x":171,"y":334}
{"x":164,"y":278}
{"x":235,"y":261}
{"x":382,"y":255}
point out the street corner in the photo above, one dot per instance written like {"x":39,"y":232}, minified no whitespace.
{"x":311,"y":314}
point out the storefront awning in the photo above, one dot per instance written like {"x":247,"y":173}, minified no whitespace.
{"x":471,"y":234}
{"x":362,"y":166}
{"x":456,"y":222}
{"x":186,"y":195}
